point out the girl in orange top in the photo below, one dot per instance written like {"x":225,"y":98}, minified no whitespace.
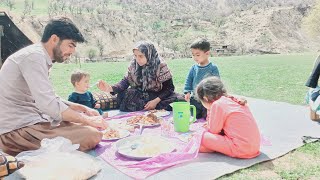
{"x":231,"y":129}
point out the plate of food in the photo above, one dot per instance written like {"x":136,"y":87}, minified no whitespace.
{"x":114,"y":134}
{"x":143,"y":147}
{"x":149,"y":120}
{"x":158,"y":113}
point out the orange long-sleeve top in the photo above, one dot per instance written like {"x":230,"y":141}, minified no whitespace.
{"x":237,"y":125}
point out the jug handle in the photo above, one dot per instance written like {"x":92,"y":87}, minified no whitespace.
{"x":194,"y":110}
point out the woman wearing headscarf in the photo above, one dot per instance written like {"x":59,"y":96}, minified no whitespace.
{"x":148,"y":83}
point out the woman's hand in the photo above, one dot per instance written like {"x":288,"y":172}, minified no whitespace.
{"x":152,"y":104}
{"x":103,"y":86}
{"x":96,"y":122}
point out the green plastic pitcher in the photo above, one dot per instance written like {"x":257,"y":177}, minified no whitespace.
{"x":181,"y":116}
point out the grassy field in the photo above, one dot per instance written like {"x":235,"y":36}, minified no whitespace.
{"x":273,"y":77}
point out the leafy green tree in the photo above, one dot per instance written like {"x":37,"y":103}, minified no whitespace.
{"x":10,"y":4}
{"x":92,"y":53}
{"x":27,"y":8}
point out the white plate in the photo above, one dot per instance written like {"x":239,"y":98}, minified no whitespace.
{"x":149,"y":125}
{"x":122,"y":132}
{"x":146,"y":146}
{"x":145,"y":125}
{"x":159,"y":113}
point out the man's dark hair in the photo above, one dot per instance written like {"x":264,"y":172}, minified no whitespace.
{"x":64,"y":28}
{"x":201,"y":44}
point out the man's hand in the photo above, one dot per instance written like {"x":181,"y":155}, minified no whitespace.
{"x":91,"y":112}
{"x":96,"y":122}
{"x":77,"y":107}
{"x":187,"y":97}
{"x":81,"y":108}
{"x":152,"y":104}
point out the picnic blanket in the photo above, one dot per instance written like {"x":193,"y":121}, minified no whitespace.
{"x":282,"y":125}
{"x":184,"y":152}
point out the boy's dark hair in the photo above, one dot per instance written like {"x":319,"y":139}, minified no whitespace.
{"x":64,"y":28}
{"x":76,"y":76}
{"x":211,"y":87}
{"x":201,"y":44}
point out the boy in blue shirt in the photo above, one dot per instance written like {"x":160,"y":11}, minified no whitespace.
{"x":200,"y":52}
{"x":80,"y":81}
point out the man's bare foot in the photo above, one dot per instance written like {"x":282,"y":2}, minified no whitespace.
{"x":8,"y":164}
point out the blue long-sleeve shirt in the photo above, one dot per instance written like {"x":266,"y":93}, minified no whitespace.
{"x":197,"y":73}
{"x":84,"y":99}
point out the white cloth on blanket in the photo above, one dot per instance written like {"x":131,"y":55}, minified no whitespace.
{"x":59,"y":159}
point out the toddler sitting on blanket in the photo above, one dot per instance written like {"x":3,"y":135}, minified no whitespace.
{"x":80,"y":81}
{"x":231,"y":129}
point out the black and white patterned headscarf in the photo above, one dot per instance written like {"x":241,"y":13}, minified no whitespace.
{"x":150,"y":76}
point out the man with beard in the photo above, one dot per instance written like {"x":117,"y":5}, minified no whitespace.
{"x":29,"y":109}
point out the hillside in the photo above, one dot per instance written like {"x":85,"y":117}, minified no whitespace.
{"x":111,"y":27}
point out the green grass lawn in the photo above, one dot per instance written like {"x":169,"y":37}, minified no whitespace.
{"x":272,"y":77}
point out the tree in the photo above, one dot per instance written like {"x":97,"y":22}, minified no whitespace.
{"x":10,"y":4}
{"x":77,"y":59}
{"x":52,"y":8}
{"x":92,"y":54}
{"x":311,"y":22}
{"x":242,"y":47}
{"x":26,"y":8}
{"x":174,"y":46}
{"x":100,"y":47}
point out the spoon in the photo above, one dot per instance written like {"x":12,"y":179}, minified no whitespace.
{"x":134,"y":146}
{"x":140,"y":128}
{"x":92,"y":85}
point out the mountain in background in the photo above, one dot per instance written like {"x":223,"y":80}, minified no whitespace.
{"x":111,"y":27}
